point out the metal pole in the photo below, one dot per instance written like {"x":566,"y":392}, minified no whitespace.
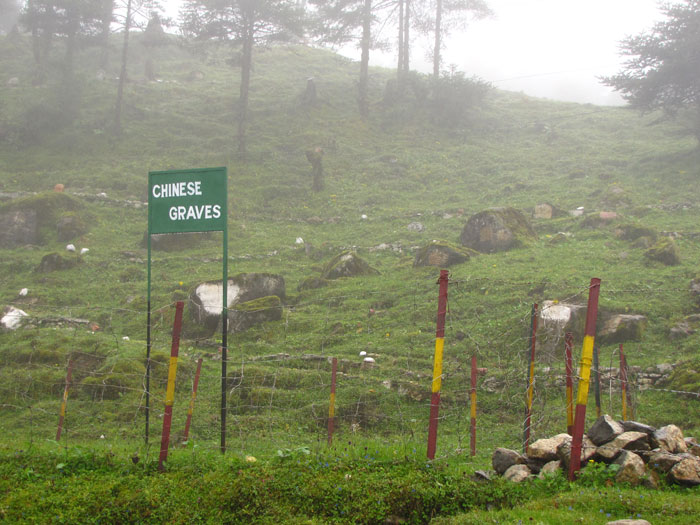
{"x":531,"y":377}
{"x":148,"y":330}
{"x":472,"y":407}
{"x":585,"y":378}
{"x":224,"y":324}
{"x":190,"y":410}
{"x":569,"y":341}
{"x":331,"y":406}
{"x":437,"y":364}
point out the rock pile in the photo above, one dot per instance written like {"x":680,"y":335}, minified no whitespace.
{"x":643,"y":454}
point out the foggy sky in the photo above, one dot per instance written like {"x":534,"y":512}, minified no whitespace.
{"x":545,"y":48}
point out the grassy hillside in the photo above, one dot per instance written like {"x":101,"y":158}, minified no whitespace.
{"x":411,"y":161}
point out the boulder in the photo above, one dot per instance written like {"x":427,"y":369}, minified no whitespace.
{"x":663,"y":461}
{"x":623,"y":327}
{"x":503,"y":458}
{"x":32,"y":220}
{"x":416,"y":227}
{"x":547,"y":211}
{"x":549,"y":468}
{"x":246,"y":314}
{"x":669,"y":438}
{"x":631,"y":468}
{"x":607,"y":453}
{"x":686,"y":472}
{"x":441,"y":254}
{"x":632,"y":232}
{"x":664,"y":251}
{"x":604,"y":430}
{"x":52,"y":262}
{"x":635,"y":426}
{"x":555,"y":319}
{"x":17,"y":228}
{"x":517,"y":473}
{"x":206,"y":300}
{"x":12,"y":318}
{"x":347,"y":264}
{"x":634,"y":441}
{"x":588,"y":450}
{"x":312,"y":283}
{"x":546,"y":449}
{"x":628,"y":522}
{"x":497,"y":230}
{"x":70,"y":226}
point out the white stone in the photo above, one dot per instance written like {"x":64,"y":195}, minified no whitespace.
{"x":368,"y":360}
{"x":70,"y":247}
{"x":363,"y":353}
{"x":23,"y":292}
{"x":83,"y":251}
{"x":125,"y":338}
{"x":211,"y":295}
{"x":299,"y":241}
{"x":363,"y":217}
{"x":12,"y":318}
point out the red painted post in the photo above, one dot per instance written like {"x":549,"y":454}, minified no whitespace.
{"x":192,"y":399}
{"x":568,"y":344}
{"x":585,"y":377}
{"x":437,"y":364}
{"x":62,"y":412}
{"x":331,"y":406}
{"x":531,"y":378}
{"x":170,"y":391}
{"x":472,"y":406}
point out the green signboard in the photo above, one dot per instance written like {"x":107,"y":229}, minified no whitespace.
{"x":187,"y":201}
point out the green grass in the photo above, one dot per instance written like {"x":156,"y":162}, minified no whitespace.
{"x":397,"y":167}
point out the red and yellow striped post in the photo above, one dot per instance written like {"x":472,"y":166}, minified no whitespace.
{"x":437,"y":364}
{"x":62,"y":413}
{"x":190,"y":410}
{"x":623,"y":378}
{"x":585,"y":377}
{"x":331,"y":405}
{"x":568,"y":344}
{"x":472,"y":406}
{"x":531,"y":378}
{"x":170,"y":390}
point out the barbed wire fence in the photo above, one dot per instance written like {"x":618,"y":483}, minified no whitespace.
{"x":277,"y":391}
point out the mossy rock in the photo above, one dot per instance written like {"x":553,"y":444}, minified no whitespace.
{"x":244,"y":315}
{"x":685,"y":377}
{"x":497,"y":230}
{"x":442,"y":254}
{"x":69,"y":226}
{"x":632,"y":232}
{"x":312,"y":283}
{"x":52,"y":262}
{"x":34,"y":219}
{"x":664,"y":251}
{"x":347,"y":264}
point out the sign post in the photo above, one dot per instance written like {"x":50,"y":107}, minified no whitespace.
{"x":184,"y":201}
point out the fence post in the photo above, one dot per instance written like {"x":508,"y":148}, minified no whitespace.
{"x":472,"y":406}
{"x":531,"y":377}
{"x":585,"y":377}
{"x":568,"y":343}
{"x":331,"y":406}
{"x":437,"y":364}
{"x":190,"y":410}
{"x":62,"y":412}
{"x":170,"y":391}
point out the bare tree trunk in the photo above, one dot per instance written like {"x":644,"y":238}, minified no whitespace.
{"x":406,"y":38}
{"x":122,"y":73}
{"x":108,"y":9}
{"x":364,"y":58}
{"x":399,"y":68}
{"x":438,"y":31}
{"x":36,"y":48}
{"x":246,"y":65}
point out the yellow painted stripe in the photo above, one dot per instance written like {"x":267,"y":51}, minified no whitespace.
{"x":473,"y":405}
{"x":586,"y":362}
{"x":63,"y":410}
{"x":170,"y":392}
{"x":569,"y":406}
{"x":331,"y":407}
{"x":624,"y":404}
{"x":437,"y":364}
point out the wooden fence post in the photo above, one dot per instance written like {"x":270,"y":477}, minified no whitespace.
{"x":170,"y":391}
{"x":530,"y":378}
{"x":437,"y":364}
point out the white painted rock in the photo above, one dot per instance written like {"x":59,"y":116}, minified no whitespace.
{"x":83,"y":251}
{"x":12,"y":318}
{"x":70,"y":247}
{"x":23,"y":292}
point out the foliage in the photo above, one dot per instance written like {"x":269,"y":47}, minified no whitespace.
{"x":663,"y":68}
